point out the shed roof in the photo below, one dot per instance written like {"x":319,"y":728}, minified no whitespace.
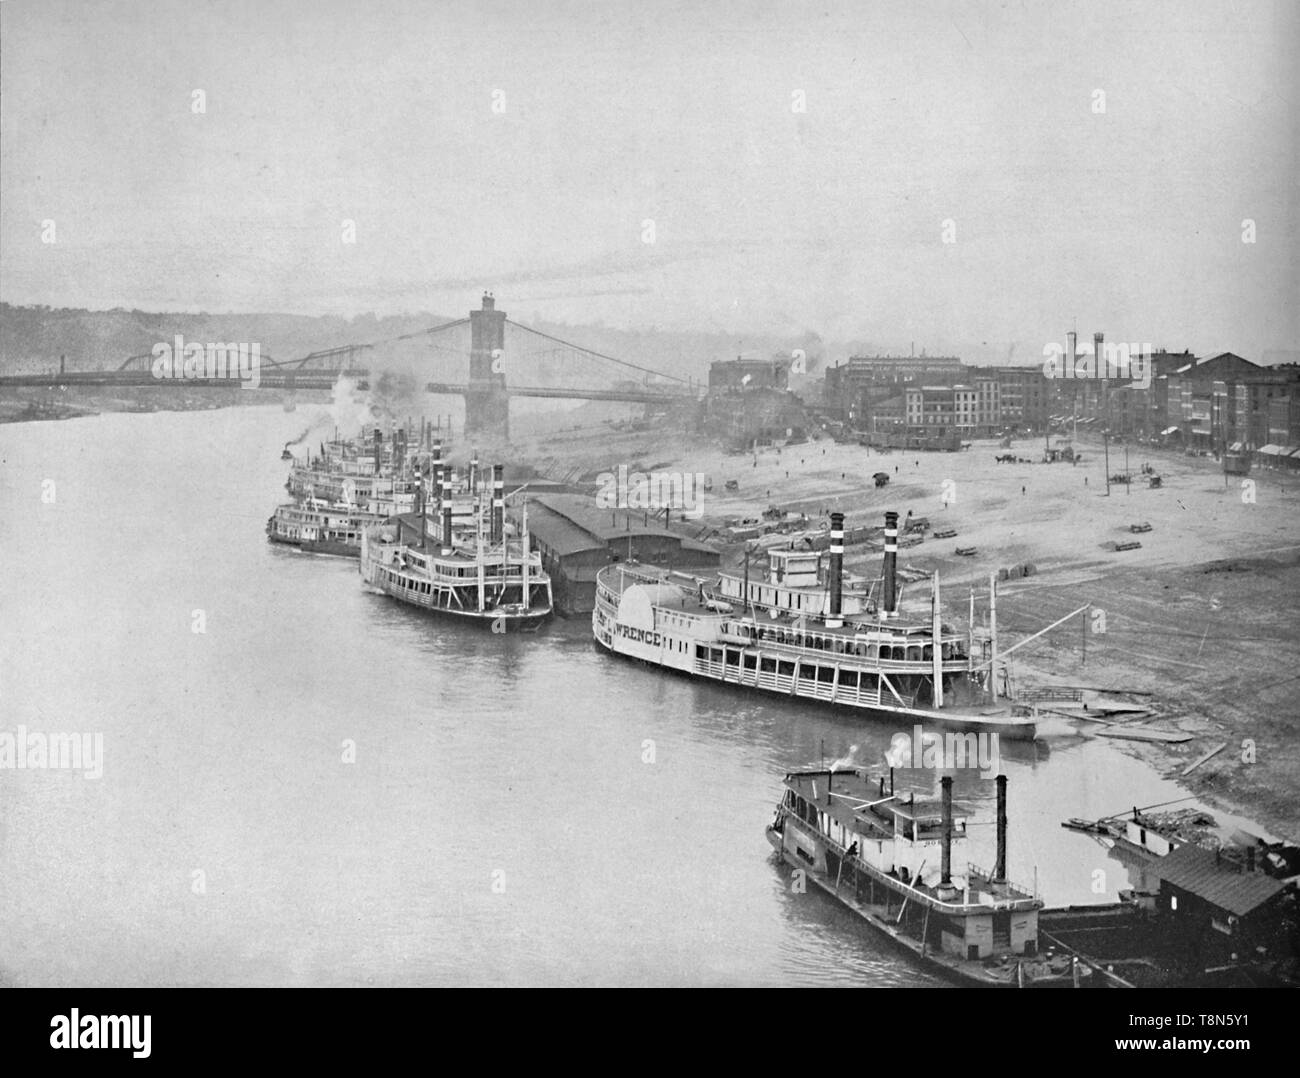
{"x":569,"y":523}
{"x":1199,"y":872}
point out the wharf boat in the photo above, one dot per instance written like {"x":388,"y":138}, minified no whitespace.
{"x":479,"y":574}
{"x":786,"y":634}
{"x":895,"y":860}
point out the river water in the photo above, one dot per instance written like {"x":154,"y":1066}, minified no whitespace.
{"x":324,"y":788}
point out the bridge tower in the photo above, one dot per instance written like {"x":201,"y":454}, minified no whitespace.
{"x":487,"y":404}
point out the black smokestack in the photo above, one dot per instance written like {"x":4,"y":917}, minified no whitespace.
{"x":834,"y":621}
{"x":889,"y":596}
{"x":1000,"y":865}
{"x":379,"y":445}
{"x":946,"y":783}
{"x":498,"y":503}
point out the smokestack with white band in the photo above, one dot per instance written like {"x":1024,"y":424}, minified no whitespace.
{"x":833,"y":619}
{"x":889,"y":593}
{"x":444,"y":498}
{"x":498,"y":503}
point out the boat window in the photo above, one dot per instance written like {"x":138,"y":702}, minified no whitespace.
{"x":785,"y":669}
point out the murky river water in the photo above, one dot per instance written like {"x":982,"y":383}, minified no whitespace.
{"x":499,"y":825}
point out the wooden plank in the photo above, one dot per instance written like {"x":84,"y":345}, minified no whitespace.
{"x":1137,"y":733}
{"x":1197,"y":763}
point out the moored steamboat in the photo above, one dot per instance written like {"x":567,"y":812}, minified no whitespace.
{"x":483,"y":578}
{"x":787,"y":634}
{"x":896,"y":860}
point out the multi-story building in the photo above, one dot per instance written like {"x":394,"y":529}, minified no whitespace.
{"x":965,"y":406}
{"x":860,"y":383}
{"x":745,"y":374}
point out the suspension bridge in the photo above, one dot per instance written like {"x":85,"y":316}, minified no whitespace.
{"x":486,"y":358}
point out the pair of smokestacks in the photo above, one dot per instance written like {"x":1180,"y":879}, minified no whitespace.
{"x":441,"y":481}
{"x":889,"y":598}
{"x":1000,"y":864}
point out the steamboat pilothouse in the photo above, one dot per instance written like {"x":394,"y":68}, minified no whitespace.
{"x":789,"y":634}
{"x":478,"y":573}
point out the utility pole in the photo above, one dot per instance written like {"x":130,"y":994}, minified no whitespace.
{"x":1105,"y":437}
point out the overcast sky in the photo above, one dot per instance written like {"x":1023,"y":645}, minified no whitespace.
{"x":766,"y":219}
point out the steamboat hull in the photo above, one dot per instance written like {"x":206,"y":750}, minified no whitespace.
{"x":954,"y":969}
{"x":333,"y":547}
{"x":1009,"y":726}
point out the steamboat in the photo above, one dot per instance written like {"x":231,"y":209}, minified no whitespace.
{"x":318,"y":528}
{"x":790,"y":635}
{"x":875,"y":851}
{"x":477,"y":574}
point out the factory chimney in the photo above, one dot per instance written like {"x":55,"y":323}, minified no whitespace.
{"x":379,"y":447}
{"x":833,"y":620}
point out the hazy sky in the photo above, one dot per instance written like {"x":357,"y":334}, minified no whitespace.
{"x":765,"y":218}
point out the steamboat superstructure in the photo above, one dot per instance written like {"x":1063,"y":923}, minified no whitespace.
{"x":318,"y":528}
{"x":349,"y":486}
{"x":787,"y":634}
{"x":477,"y":573}
{"x":898,"y":861}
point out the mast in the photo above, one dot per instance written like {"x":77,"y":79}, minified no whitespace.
{"x":993,"y":637}
{"x":970,"y":634}
{"x":936,"y":646}
{"x":524,"y":566}
{"x":478,"y":538}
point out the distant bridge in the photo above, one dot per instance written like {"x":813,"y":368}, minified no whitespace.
{"x":491,"y":351}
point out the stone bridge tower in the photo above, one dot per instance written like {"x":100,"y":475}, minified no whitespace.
{"x":487,"y":404}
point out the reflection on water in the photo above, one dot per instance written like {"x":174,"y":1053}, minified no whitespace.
{"x":325,"y":787}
